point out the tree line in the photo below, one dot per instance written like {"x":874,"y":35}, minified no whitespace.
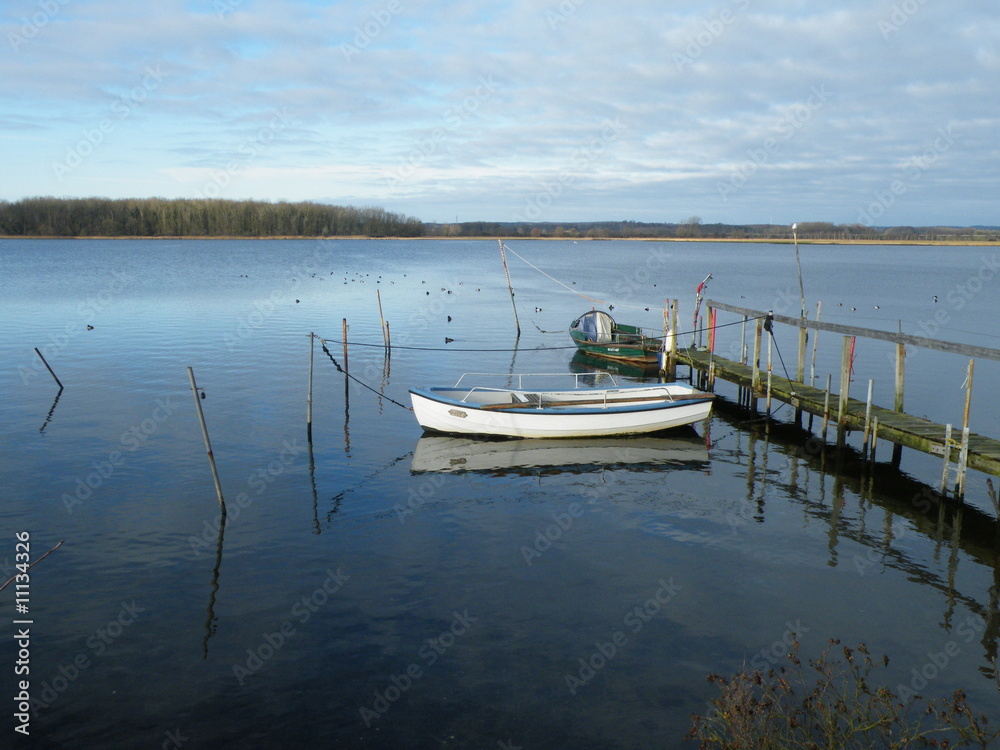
{"x":160,"y":217}
{"x":814,"y":230}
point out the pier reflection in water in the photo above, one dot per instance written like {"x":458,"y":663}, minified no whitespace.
{"x":890,"y":508}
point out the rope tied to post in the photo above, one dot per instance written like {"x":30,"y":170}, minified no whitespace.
{"x":356,"y":380}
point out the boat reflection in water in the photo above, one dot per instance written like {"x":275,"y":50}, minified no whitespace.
{"x":584,"y":363}
{"x":683,"y":449}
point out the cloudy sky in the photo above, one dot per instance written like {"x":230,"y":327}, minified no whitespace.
{"x":879,"y":112}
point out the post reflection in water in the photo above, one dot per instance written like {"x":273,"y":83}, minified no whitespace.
{"x":957,"y":530}
{"x":211,"y":622}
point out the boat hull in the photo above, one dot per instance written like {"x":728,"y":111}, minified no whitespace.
{"x":437,"y":412}
{"x":597,"y":334}
{"x":617,"y":352}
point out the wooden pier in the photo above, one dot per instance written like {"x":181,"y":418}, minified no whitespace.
{"x":958,"y":447}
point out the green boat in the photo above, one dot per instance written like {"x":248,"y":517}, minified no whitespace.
{"x":596,"y":333}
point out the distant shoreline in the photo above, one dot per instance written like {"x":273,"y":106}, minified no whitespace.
{"x":728,"y":240}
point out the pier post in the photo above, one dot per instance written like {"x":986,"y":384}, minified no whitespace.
{"x":900,"y":376}
{"x":672,"y":371}
{"x":812,"y":366}
{"x":755,"y":377}
{"x":770,"y":339}
{"x":800,"y":373}
{"x":826,"y":406}
{"x":868,"y":416}
{"x":947,"y":459}
{"x":963,"y":463}
{"x":845,"y":379}
{"x":743,"y":342}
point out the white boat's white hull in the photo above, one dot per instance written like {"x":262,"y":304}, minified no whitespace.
{"x":631,"y":419}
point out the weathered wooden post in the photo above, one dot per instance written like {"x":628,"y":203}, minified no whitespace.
{"x":770,"y":338}
{"x":826,"y":406}
{"x":900,"y":376}
{"x":309,"y":394}
{"x":845,"y":379}
{"x":755,"y":374}
{"x":964,"y":455}
{"x":344,"y":337}
{"x":800,"y":372}
{"x":743,"y":342}
{"x":868,"y":417}
{"x":812,"y":366}
{"x":947,"y":459}
{"x":672,"y":369}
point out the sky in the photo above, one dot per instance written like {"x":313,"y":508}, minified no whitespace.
{"x":876,"y":112}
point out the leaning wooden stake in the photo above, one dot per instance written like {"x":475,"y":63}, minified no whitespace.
{"x":510,"y":288}
{"x":309,"y":393}
{"x":381,"y":320}
{"x":208,"y":444}
{"x":58,"y":382}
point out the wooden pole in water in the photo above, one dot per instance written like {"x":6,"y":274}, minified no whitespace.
{"x":964,"y":456}
{"x":309,"y":394}
{"x":812,"y":366}
{"x":826,"y":405}
{"x":798,"y":264}
{"x":947,"y":459}
{"x":510,"y":288}
{"x":49,"y":368}
{"x":343,"y":325}
{"x":968,"y":394}
{"x":743,"y":342}
{"x":755,"y":376}
{"x":672,"y":373}
{"x":381,"y":320}
{"x":845,"y":379}
{"x":868,"y":416}
{"x":900,"y":376}
{"x":208,"y":444}
{"x":770,"y":338}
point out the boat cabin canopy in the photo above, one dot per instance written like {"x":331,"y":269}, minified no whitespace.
{"x":597,"y":325}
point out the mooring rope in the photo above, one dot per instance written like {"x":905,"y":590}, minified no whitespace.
{"x":514,"y":349}
{"x":360,"y":382}
{"x":568,"y":287}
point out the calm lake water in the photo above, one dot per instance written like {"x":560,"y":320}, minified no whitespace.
{"x":384,"y":589}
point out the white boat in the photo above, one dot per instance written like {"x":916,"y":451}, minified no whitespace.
{"x":566,"y":413}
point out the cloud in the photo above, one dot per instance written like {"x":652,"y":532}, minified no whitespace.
{"x":426,"y":104}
